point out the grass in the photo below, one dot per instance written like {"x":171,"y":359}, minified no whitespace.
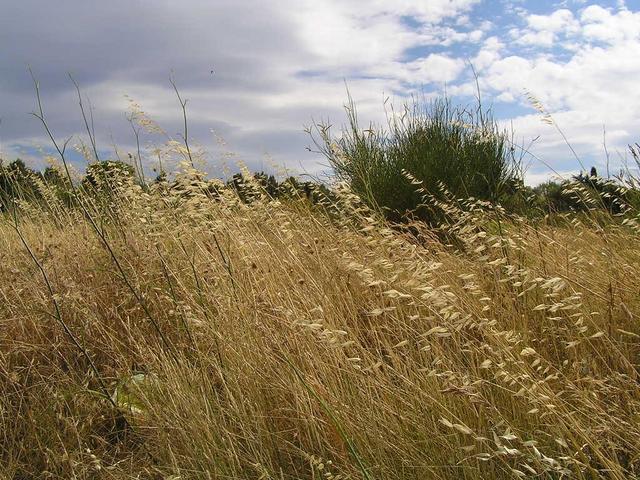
{"x":181,"y":329}
{"x":192,"y":337}
{"x":434,"y":141}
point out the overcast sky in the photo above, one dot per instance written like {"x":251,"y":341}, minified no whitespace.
{"x":279,"y":63}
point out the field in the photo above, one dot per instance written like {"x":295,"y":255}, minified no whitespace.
{"x":173,"y":334}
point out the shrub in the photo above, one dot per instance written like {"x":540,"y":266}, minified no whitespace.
{"x":19,"y":183}
{"x":16,"y":183}
{"x":436,"y":143}
{"x":108,"y":176}
{"x":617,"y":196}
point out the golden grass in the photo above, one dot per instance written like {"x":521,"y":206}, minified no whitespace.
{"x":297,"y":346}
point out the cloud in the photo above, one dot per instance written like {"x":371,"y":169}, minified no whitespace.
{"x":546,"y":30}
{"x":592,"y":88}
{"x":276,"y":64}
{"x":537,"y":178}
{"x":559,"y":21}
{"x":489,"y":53}
{"x":279,"y":63}
{"x":543,"y":38}
{"x":599,"y":24}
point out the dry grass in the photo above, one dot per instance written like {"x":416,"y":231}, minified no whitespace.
{"x":297,"y":346}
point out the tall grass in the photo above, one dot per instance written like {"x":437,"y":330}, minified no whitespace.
{"x":177,"y":330}
{"x":291,"y":344}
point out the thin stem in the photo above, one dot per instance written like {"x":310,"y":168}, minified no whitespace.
{"x":183,"y":105}
{"x":90,"y":130}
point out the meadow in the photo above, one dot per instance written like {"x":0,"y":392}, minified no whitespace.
{"x":180,"y":330}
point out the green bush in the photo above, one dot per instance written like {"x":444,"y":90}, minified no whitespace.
{"x":108,"y":177}
{"x":436,"y":143}
{"x":589,"y":192}
{"x":105,"y":186}
{"x":18,"y":182}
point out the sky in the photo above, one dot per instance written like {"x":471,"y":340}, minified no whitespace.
{"x":280,"y":65}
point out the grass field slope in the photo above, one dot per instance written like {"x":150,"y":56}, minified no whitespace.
{"x":165,"y":332}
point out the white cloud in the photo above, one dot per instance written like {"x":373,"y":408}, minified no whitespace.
{"x":431,"y":12}
{"x":489,"y":53}
{"x":600,"y":24}
{"x":544,"y":30}
{"x":434,"y":68}
{"x":542,"y":38}
{"x":536,"y":178}
{"x":595,"y":87}
{"x":343,"y":35}
{"x":560,"y":20}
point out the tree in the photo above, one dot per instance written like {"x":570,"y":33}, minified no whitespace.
{"x":108,"y":177}
{"x":17,"y":183}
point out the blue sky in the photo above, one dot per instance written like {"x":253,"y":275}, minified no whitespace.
{"x":278,"y":64}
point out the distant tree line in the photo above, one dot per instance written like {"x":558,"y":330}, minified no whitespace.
{"x":429,"y":152}
{"x":19,"y":182}
{"x":103,"y":179}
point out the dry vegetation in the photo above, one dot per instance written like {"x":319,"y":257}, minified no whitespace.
{"x":172,"y":335}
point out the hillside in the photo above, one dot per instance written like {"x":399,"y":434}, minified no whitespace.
{"x":169,"y":334}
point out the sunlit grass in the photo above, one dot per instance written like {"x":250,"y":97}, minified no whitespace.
{"x":304,"y":345}
{"x":186,"y":328}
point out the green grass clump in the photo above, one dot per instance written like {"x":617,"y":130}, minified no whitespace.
{"x":435,"y":142}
